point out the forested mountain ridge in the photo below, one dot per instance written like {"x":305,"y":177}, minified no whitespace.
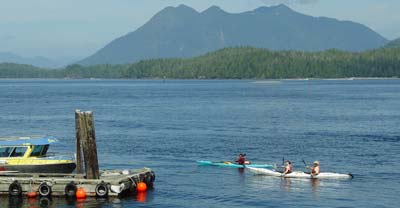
{"x":234,"y":63}
{"x":182,"y":32}
{"x":12,"y":70}
{"x":393,"y":44}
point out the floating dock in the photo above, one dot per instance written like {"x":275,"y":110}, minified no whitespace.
{"x":112,"y":183}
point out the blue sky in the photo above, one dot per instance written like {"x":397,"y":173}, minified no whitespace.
{"x":71,"y":29}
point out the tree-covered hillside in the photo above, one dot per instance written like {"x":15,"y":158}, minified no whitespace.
{"x":11,"y":70}
{"x":239,"y":63}
{"x":235,"y":63}
{"x":393,"y":44}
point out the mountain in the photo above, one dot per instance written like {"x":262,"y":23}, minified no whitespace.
{"x":39,"y":61}
{"x":183,"y":32}
{"x":393,"y":44}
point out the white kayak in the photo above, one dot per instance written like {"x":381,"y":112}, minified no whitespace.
{"x":297,"y":174}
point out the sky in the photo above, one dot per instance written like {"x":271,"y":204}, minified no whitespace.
{"x":74,"y":29}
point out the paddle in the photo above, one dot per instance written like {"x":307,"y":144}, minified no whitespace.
{"x":283,"y":163}
{"x":305,"y":164}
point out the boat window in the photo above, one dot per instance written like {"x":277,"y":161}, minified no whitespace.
{"x":37,"y":150}
{"x":18,"y":152}
{"x":5,"y":151}
{"x":44,"y":151}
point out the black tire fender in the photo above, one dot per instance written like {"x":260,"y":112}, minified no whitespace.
{"x":44,"y":189}
{"x":101,"y":189}
{"x":148,"y":179}
{"x":70,"y":189}
{"x":153,"y":176}
{"x":15,"y":189}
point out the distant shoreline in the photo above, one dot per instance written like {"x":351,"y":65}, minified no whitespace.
{"x":235,"y":63}
{"x":169,"y":79}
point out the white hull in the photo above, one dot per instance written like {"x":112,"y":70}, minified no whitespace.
{"x":267,"y":172}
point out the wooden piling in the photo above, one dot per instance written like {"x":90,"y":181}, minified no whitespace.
{"x":79,"y":167}
{"x":87,"y":137}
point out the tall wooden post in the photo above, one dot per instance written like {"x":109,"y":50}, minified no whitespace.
{"x":79,"y":168}
{"x":87,"y":137}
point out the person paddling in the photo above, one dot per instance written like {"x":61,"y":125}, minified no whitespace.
{"x":315,"y":170}
{"x":288,"y":168}
{"x":242,"y":159}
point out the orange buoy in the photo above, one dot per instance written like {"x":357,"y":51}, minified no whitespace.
{"x":80,"y":193}
{"x":31,"y":194}
{"x":141,"y":187}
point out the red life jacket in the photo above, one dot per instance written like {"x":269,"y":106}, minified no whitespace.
{"x":241,"y":160}
{"x":313,"y":170}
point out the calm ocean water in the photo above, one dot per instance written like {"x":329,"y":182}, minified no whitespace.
{"x":348,"y":125}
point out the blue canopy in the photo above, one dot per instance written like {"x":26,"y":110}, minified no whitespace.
{"x":23,"y":141}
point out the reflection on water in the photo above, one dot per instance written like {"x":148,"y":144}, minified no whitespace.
{"x":44,"y":201}
{"x":299,"y":183}
{"x":32,"y":202}
{"x":53,"y":202}
{"x":141,"y":197}
{"x":241,"y":172}
{"x":315,"y":184}
{"x":286,"y":184}
{"x":23,"y":202}
{"x":14,"y":201}
{"x":242,"y":176}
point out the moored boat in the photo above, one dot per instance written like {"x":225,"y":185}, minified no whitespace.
{"x":29,"y":155}
{"x":298,"y":174}
{"x":232,"y":165}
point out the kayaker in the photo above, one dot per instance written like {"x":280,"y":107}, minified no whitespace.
{"x":315,"y":170}
{"x":288,"y":167}
{"x":242,"y":159}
